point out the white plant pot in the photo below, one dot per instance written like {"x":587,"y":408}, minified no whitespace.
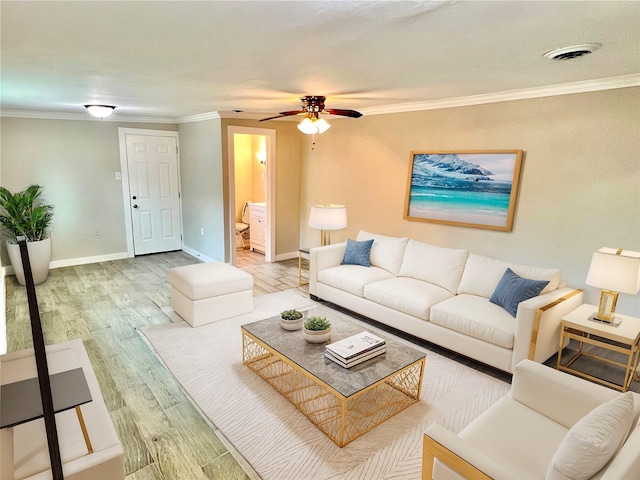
{"x":317,"y":336}
{"x":39,"y":258}
{"x":292,"y":324}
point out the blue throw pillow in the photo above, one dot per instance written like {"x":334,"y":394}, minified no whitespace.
{"x":513,"y":289}
{"x":357,"y":253}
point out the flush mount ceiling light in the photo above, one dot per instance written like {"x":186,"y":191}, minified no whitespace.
{"x":100,"y":111}
{"x":574,"y":51}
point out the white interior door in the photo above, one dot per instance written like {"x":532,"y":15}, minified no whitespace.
{"x":152,"y":164}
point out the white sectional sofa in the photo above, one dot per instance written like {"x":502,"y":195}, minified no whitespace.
{"x":442,"y":295}
{"x":550,"y":426}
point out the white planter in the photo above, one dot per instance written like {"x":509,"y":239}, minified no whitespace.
{"x":39,"y":258}
{"x":316,"y":336}
{"x":292,"y":324}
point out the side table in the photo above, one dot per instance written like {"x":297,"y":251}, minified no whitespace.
{"x":624,"y":339}
{"x":302,"y":251}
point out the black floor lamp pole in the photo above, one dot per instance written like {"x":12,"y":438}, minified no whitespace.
{"x":41,"y":364}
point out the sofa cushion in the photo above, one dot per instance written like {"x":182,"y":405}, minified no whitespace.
{"x":482,"y":274}
{"x":438,"y":265}
{"x":406,"y":295}
{"x":593,"y":440}
{"x":386,"y":252}
{"x":352,"y":278}
{"x":513,"y":289}
{"x":476,"y":317}
{"x":357,"y":253}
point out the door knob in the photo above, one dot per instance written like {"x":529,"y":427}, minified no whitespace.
{"x":135,"y":206}
{"x":134,"y":197}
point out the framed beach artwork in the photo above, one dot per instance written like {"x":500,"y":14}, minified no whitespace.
{"x":469,"y":188}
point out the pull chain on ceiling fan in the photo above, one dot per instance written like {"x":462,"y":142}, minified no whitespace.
{"x":312,"y":107}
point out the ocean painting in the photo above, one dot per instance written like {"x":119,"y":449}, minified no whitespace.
{"x":474,"y":189}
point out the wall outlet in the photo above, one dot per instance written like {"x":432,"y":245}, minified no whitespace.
{"x":96,"y":231}
{"x":202,"y":231}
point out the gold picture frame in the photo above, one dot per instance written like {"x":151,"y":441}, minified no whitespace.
{"x":467,"y":188}
{"x":607,"y":306}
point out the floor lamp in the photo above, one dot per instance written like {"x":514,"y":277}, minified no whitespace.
{"x":326,"y":218}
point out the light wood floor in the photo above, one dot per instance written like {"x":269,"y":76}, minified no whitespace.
{"x":163,"y":434}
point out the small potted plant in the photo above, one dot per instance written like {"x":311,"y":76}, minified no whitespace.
{"x":317,"y":330}
{"x":291,"y":319}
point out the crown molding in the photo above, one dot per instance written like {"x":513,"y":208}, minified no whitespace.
{"x":200,"y":117}
{"x":523,"y":94}
{"x":610,"y":83}
{"x":82,"y":117}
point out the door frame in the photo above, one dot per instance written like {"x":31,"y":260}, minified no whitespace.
{"x":124,"y":174}
{"x":270,"y":134}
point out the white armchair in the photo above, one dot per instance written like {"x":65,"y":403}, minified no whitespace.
{"x":550,"y":426}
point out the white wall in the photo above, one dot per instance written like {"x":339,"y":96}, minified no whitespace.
{"x":579,"y":189}
{"x":203,"y":198}
{"x":75,"y":162}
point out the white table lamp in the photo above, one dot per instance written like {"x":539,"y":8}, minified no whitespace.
{"x":613,"y":270}
{"x":326,"y":218}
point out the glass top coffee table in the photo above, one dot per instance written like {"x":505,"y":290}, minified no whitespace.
{"x":343,"y":403}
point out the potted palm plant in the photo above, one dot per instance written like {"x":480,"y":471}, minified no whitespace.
{"x":25,"y":215}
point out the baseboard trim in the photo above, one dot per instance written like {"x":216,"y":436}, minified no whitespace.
{"x":71,"y":262}
{"x":197,"y":254}
{"x":286,"y":256}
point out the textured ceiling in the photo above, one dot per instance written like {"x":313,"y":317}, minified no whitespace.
{"x":174,"y":59}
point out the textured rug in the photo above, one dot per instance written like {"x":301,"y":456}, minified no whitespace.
{"x":278,"y":441}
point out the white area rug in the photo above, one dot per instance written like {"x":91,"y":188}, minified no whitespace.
{"x":278,"y":441}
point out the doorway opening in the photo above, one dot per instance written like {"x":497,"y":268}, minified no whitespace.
{"x":252,"y":177}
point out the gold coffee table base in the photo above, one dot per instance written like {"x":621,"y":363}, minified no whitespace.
{"x":342,"y":419}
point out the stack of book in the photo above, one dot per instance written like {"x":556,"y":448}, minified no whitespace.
{"x":355,"y":349}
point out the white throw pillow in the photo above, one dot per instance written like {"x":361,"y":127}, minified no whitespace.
{"x":386,"y":252}
{"x":482,"y":274}
{"x":438,"y":265}
{"x":593,"y":440}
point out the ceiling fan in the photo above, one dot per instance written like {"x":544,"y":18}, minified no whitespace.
{"x":312,"y":107}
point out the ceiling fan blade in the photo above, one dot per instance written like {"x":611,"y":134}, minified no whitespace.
{"x":344,"y":113}
{"x":284,"y":114}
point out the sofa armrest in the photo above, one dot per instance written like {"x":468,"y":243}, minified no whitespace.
{"x":321,"y":258}
{"x":538,"y":319}
{"x":561,"y":397}
{"x":626,"y":462}
{"x":459,"y":456}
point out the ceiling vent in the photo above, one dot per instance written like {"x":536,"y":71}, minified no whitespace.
{"x":574,"y":51}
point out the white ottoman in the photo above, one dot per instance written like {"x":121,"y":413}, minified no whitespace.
{"x":208,"y":292}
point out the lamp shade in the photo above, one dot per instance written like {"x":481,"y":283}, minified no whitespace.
{"x":313,"y":125}
{"x":328,"y":217}
{"x":615,"y":269}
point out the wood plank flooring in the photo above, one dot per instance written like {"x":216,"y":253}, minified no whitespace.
{"x":164,"y":435}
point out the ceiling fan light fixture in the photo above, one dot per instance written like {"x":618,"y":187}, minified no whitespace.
{"x":100,"y":111}
{"x":311,"y":126}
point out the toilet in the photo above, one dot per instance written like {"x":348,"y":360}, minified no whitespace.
{"x":242,"y":228}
